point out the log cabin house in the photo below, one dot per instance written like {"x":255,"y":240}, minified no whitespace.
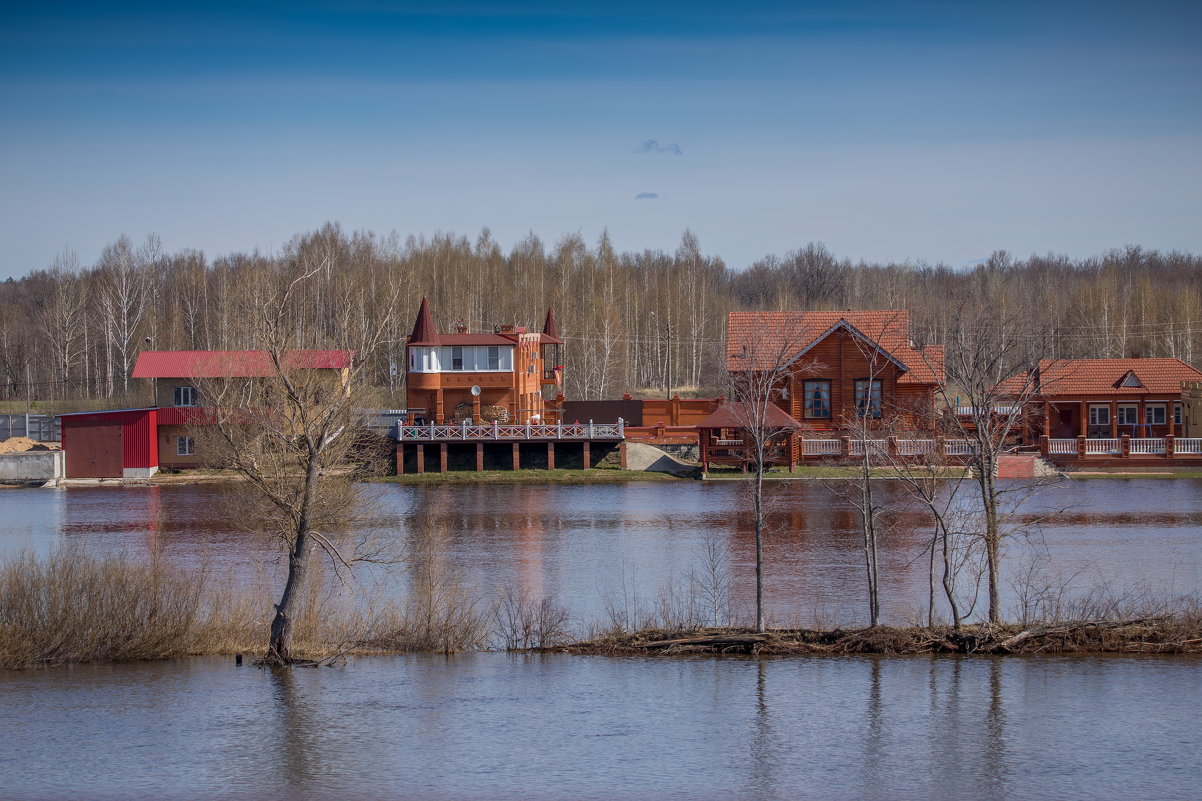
{"x":829,"y":370}
{"x":508,"y":376}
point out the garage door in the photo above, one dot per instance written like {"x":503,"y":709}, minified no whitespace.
{"x":94,"y":451}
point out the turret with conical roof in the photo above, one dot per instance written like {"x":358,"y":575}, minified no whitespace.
{"x":549,"y":328}
{"x":424,"y":330}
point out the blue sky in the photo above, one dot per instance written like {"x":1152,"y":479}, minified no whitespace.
{"x":933,"y":132}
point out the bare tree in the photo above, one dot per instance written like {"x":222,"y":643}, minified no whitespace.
{"x":761,"y":371}
{"x":983,"y":351}
{"x":289,"y":430}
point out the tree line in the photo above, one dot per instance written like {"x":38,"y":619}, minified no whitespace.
{"x":632,"y":321}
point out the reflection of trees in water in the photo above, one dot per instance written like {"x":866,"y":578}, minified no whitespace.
{"x":765,"y":741}
{"x":301,"y":751}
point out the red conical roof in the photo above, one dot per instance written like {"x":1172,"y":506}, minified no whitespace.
{"x":549,"y":328}
{"x":424,"y":330}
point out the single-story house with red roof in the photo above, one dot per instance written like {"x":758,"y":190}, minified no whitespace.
{"x":1107,"y":398}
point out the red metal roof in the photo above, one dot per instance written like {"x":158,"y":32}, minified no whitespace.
{"x":1102,"y":378}
{"x":475,"y":339}
{"x":768,"y":337}
{"x":233,"y":363}
{"x":742,"y":415}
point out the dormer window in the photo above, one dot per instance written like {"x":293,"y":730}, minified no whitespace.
{"x":1130,"y":380}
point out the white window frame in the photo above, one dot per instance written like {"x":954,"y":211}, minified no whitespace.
{"x":185,"y":446}
{"x":1177,"y":413}
{"x":185,"y":396}
{"x":1150,"y":417}
{"x":1099,"y":414}
{"x":1127,"y":414}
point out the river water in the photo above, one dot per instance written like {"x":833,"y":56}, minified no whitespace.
{"x":493,"y":725}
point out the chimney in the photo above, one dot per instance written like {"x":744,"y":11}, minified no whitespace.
{"x":460,"y":328}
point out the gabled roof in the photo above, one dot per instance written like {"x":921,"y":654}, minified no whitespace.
{"x":1103,"y":378}
{"x":741,"y":415}
{"x":760,"y":340}
{"x":424,"y":330}
{"x":233,"y":363}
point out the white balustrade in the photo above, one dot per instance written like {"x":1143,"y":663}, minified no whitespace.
{"x":872,"y":445}
{"x":1062,"y":447}
{"x":821,"y":447}
{"x":1190,"y":446}
{"x":915,"y":447}
{"x":960,"y":447}
{"x":1147,"y":445}
{"x":1104,"y":447}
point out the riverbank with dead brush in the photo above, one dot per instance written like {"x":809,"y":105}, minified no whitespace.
{"x":1179,"y":634}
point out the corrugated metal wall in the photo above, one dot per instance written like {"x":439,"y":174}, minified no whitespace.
{"x":133,"y":431}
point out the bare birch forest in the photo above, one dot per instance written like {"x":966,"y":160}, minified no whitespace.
{"x":69,"y":333}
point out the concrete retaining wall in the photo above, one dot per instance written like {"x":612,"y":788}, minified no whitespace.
{"x":31,"y":467}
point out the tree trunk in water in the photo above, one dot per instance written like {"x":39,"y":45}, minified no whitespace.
{"x":758,"y":501}
{"x":278,"y":648}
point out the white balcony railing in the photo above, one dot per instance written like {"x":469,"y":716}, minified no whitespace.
{"x":1062,"y":447}
{"x":1190,"y":445}
{"x":872,"y":445}
{"x":1102,"y":447}
{"x":1144,"y":446}
{"x":915,"y":447}
{"x":496,"y":431}
{"x":960,"y":447}
{"x":820,"y":447}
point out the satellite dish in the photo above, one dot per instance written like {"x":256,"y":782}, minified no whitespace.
{"x":476,"y":390}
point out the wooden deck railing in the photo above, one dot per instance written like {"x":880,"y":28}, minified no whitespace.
{"x":497,"y":431}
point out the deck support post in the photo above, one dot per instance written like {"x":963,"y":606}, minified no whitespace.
{"x":479,"y":457}
{"x":400,"y":458}
{"x":442,"y":457}
{"x":517,"y":456}
{"x":550,"y":455}
{"x":421,"y":458}
{"x":586,"y":454}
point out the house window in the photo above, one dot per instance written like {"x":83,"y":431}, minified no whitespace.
{"x":818,"y":399}
{"x":494,"y":357}
{"x":1099,"y":415}
{"x":1176,"y":414}
{"x":1154,"y":415}
{"x":185,"y":446}
{"x":868,"y":398}
{"x":186,"y":396}
{"x":456,"y":358}
{"x":1128,"y":415}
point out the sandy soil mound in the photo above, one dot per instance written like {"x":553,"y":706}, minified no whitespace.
{"x":21,"y":445}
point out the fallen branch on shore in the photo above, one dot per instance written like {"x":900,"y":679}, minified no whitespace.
{"x":1164,"y":635}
